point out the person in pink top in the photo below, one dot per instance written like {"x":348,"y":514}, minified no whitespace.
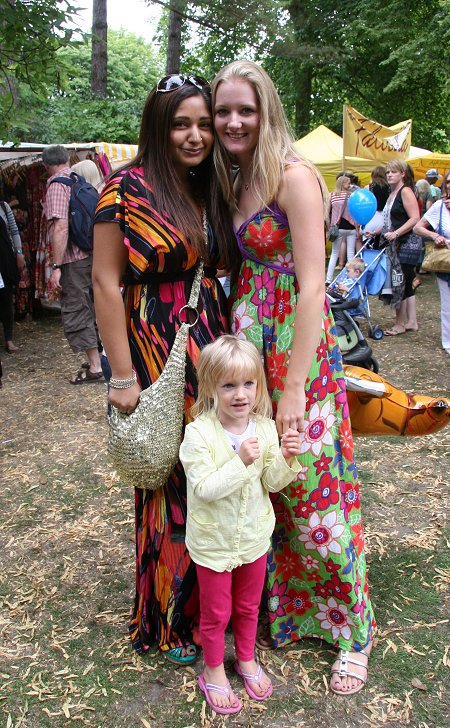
{"x":338,"y":214}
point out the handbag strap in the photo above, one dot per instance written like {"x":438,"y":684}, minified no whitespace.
{"x":440,"y":219}
{"x":343,"y":210}
{"x":195,"y":290}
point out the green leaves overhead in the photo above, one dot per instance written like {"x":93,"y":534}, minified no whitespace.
{"x":383,"y":58}
{"x":71,"y":114}
{"x":31,"y":33}
{"x":389,"y":60}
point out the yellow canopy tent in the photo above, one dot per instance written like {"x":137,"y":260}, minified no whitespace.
{"x":117,"y":154}
{"x":324,"y":148}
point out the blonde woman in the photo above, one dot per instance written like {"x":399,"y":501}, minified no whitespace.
{"x":401,"y":213}
{"x":89,"y":170}
{"x":316,"y":579}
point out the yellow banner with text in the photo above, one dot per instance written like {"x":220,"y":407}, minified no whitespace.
{"x":371,"y":140}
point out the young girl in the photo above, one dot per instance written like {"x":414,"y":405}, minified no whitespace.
{"x":232,"y":459}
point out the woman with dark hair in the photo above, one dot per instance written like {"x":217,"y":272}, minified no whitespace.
{"x":148,"y":238}
{"x":380,"y":188}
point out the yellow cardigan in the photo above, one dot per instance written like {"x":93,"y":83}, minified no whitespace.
{"x":230,"y":517}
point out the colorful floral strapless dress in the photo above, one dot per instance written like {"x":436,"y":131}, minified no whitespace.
{"x":317,"y":576}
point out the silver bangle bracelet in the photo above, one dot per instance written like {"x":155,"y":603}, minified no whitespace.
{"x":123,"y":383}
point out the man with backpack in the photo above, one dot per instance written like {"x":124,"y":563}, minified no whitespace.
{"x":69,"y":207}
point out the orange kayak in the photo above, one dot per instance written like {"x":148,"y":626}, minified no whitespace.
{"x":379,"y":408}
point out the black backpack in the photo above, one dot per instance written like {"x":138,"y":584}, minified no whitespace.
{"x":82,"y":205}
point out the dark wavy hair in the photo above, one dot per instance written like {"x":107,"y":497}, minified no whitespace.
{"x":378,"y":175}
{"x":161,"y":175}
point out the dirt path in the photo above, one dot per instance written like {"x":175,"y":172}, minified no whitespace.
{"x":66,"y":546}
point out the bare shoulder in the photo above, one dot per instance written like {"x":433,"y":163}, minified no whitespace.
{"x":408,"y":193}
{"x":299,"y":183}
{"x":298,"y":173}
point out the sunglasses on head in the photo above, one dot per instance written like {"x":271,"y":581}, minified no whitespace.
{"x":176,"y":80}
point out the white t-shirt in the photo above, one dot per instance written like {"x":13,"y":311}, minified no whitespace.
{"x":237,"y":440}
{"x":433,"y":214}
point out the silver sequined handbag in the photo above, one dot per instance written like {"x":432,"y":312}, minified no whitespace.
{"x":144,"y":446}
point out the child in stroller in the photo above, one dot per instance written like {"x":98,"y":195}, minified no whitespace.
{"x":347,"y":281}
{"x":348,"y":298}
{"x":372,"y":266}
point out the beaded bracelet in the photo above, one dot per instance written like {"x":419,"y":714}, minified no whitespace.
{"x":123,"y":383}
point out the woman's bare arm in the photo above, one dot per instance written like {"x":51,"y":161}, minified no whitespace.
{"x":110,"y":260}
{"x":301,"y":198}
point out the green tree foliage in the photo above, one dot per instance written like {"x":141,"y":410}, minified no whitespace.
{"x":397,"y":59}
{"x":73,"y":115}
{"x":31,"y":33}
{"x":383,"y":58}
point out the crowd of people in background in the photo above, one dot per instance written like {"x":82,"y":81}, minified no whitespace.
{"x":217,"y":178}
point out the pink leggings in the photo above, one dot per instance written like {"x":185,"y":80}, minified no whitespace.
{"x":226,"y":594}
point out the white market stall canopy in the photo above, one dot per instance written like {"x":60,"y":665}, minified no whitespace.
{"x":28,"y":153}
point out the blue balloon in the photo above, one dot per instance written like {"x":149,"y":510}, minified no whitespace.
{"x":362,"y":206}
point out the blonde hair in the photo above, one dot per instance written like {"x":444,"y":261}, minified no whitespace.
{"x":397,"y":165}
{"x":275,"y":148}
{"x":89,"y":170}
{"x":340,"y":182}
{"x":355,"y":263}
{"x":229,"y":356}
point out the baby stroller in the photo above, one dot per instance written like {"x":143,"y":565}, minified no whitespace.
{"x":354,"y":347}
{"x":369,"y":283}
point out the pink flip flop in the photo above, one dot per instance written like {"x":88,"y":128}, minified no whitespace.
{"x":206,"y":687}
{"x":248,"y":679}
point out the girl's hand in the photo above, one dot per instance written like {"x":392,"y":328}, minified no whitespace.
{"x":390,"y":236}
{"x":126,"y":400}
{"x":290,"y":444}
{"x":249,"y":451}
{"x":291,"y":410}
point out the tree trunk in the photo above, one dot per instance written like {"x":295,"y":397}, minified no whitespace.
{"x":174,"y":36}
{"x":300,"y":12}
{"x":303,"y":86}
{"x":99,"y":74}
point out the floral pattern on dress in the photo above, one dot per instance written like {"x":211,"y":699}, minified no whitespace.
{"x":316,"y":577}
